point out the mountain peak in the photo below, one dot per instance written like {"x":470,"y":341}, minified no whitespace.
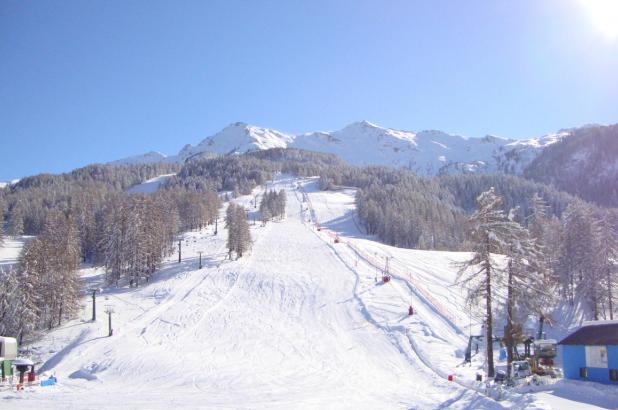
{"x":150,"y":157}
{"x":238,"y":138}
{"x":238,"y":124}
{"x":366,"y":143}
{"x":362,"y":125}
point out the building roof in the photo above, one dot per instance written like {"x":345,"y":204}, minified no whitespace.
{"x":602,"y":332}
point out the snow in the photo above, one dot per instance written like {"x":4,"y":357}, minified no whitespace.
{"x":600,"y":322}
{"x":150,"y":185}
{"x":10,"y":249}
{"x":574,"y":395}
{"x":439,"y":332}
{"x":516,"y":155}
{"x":239,"y":138}
{"x":364,"y":143}
{"x":425,"y":152}
{"x":4,"y":184}
{"x":147,"y":158}
{"x":299,"y":322}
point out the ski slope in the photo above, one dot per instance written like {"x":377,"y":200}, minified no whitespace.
{"x":10,"y":248}
{"x":151,"y":185}
{"x":439,"y":329}
{"x":299,"y":322}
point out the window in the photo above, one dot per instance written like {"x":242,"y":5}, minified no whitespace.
{"x":613,"y":375}
{"x":583,"y":372}
{"x":596,"y":356}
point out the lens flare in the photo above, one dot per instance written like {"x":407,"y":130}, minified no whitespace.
{"x":604,"y":15}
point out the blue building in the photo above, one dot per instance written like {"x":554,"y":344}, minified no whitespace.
{"x":591,"y":352}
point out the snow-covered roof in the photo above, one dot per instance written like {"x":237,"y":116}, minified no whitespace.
{"x":600,"y":332}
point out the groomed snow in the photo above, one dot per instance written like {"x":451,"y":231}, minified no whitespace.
{"x":150,"y":185}
{"x":10,"y":249}
{"x":299,"y":322}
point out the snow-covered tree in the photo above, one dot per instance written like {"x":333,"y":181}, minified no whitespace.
{"x":16,"y":222}
{"x":576,"y":260}
{"x":265,"y":214}
{"x":490,"y":233}
{"x":272,"y":205}
{"x":1,"y":220}
{"x":243,"y":232}
{"x":138,"y":232}
{"x":537,"y":220}
{"x":9,"y":301}
{"x":528,"y":283}
{"x":49,"y":264}
{"x":606,"y":261}
{"x":239,"y":235}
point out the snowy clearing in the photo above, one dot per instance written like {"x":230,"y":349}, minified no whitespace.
{"x":10,"y":249}
{"x":151,"y":185}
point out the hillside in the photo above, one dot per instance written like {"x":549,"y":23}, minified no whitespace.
{"x":585,"y":164}
{"x":581,"y":161}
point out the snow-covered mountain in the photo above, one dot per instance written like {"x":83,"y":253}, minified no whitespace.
{"x":426,"y":152}
{"x":238,"y":138}
{"x":4,"y":184}
{"x":584,"y":164}
{"x":364,"y":143}
{"x":150,"y":157}
{"x":515,"y":156}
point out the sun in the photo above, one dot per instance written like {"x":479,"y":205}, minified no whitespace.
{"x":604,"y":15}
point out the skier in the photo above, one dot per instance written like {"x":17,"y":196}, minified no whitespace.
{"x":410,"y":311}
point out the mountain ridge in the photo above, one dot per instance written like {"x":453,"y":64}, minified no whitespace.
{"x":427,"y":152}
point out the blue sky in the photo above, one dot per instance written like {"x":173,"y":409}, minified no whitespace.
{"x":93,"y":81}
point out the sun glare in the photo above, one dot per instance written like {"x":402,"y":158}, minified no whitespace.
{"x":604,"y":15}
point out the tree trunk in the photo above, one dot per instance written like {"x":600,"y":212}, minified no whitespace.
{"x":595,"y":303}
{"x":509,"y":322}
{"x":571,"y":289}
{"x":609,"y":295}
{"x":489,"y":341}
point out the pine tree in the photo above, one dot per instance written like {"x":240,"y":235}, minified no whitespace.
{"x":490,"y":232}
{"x":243,"y":232}
{"x":576,"y":258}
{"x":53,"y":260}
{"x":606,"y":257}
{"x":528,"y":282}
{"x":1,"y":220}
{"x":281,"y":201}
{"x":66,"y":246}
{"x":239,"y":235}
{"x":16,"y":224}
{"x":30,"y":280}
{"x":9,"y":301}
{"x":537,"y":220}
{"x":230,"y":225}
{"x":265,"y":214}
